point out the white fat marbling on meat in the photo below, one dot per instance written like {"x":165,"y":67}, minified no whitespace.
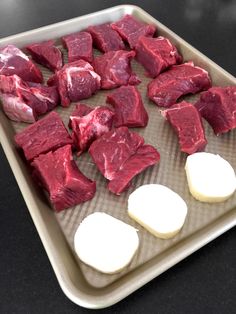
{"x":87,"y":67}
{"x":10,"y":51}
{"x":17,"y":110}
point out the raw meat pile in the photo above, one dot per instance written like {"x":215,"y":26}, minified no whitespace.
{"x":118,"y":153}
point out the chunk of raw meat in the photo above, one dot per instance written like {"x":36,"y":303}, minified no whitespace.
{"x":130,"y":29}
{"x":105,"y":38}
{"x":91,"y":125}
{"x":47,"y":54}
{"x":14,"y":61}
{"x":58,"y":173}
{"x":129,"y":108}
{"x":110,"y":151}
{"x":156,"y":54}
{"x":179,"y":80}
{"x":46,"y":94}
{"x":218,"y":107}
{"x":79,"y":46}
{"x":75,"y":81}
{"x":43,"y":136}
{"x":144,"y":157}
{"x":187,"y":123}
{"x":122,"y":153}
{"x":115,"y":69}
{"x":25,"y":102}
{"x":79,"y":111}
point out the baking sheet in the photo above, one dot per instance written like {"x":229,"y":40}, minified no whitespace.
{"x":203,"y":223}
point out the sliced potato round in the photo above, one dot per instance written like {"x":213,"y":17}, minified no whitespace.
{"x":105,"y":243}
{"x":210,"y":177}
{"x":158,"y":209}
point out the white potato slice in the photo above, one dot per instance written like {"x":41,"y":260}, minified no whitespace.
{"x":158,"y":209}
{"x":210,"y":177}
{"x":105,"y":243}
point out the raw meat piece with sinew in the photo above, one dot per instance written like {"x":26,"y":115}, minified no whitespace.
{"x":187,"y":123}
{"x":131,"y":29}
{"x":129,"y":108}
{"x":179,"y":80}
{"x":25,"y":102}
{"x":43,"y":136}
{"x":79,"y":46}
{"x":14,"y":61}
{"x":58,"y":173}
{"x":79,"y":111}
{"x":144,"y":157}
{"x":90,"y":126}
{"x":120,"y":155}
{"x":218,"y":107}
{"x":156,"y":54}
{"x":115,"y":69}
{"x":47,"y":54}
{"x":105,"y":38}
{"x":110,"y":151}
{"x":75,"y":81}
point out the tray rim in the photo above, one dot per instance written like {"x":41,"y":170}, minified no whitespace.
{"x":151,"y":269}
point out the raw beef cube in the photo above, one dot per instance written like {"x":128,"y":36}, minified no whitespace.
{"x":75,"y":81}
{"x":105,"y":38}
{"x":156,"y":54}
{"x":43,"y":136}
{"x":47,"y":54}
{"x":144,"y":157}
{"x":110,"y":151}
{"x":120,"y":155}
{"x":179,"y":80}
{"x":46,"y":94}
{"x":115,"y":69}
{"x":218,"y":107}
{"x":58,"y":173}
{"x":187,"y":123}
{"x":129,"y":108}
{"x":16,"y":109}
{"x":79,"y":111}
{"x":79,"y":46}
{"x":14,"y":61}
{"x":90,"y":126}
{"x":25,"y":102}
{"x":131,"y":29}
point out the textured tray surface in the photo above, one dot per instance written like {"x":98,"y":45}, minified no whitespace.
{"x":169,"y":172}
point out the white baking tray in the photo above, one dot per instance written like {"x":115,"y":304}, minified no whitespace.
{"x":205,"y":222}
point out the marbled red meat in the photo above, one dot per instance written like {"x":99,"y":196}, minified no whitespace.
{"x":129,"y":108}
{"x":120,"y":155}
{"x":25,"y":102}
{"x":14,"y":61}
{"x":144,"y":157}
{"x":130,"y":29}
{"x":79,"y":46}
{"x":105,"y":38}
{"x":179,"y":80}
{"x":187,"y":123}
{"x":156,"y":54}
{"x":115,"y":70}
{"x":58,"y":173}
{"x":75,"y":81}
{"x":47,"y":54}
{"x":218,"y":107}
{"x":89,"y":125}
{"x":79,"y":111}
{"x":43,"y":136}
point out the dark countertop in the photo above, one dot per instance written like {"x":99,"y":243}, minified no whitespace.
{"x":205,"y":282}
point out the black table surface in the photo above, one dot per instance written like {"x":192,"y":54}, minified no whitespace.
{"x":205,"y":282}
